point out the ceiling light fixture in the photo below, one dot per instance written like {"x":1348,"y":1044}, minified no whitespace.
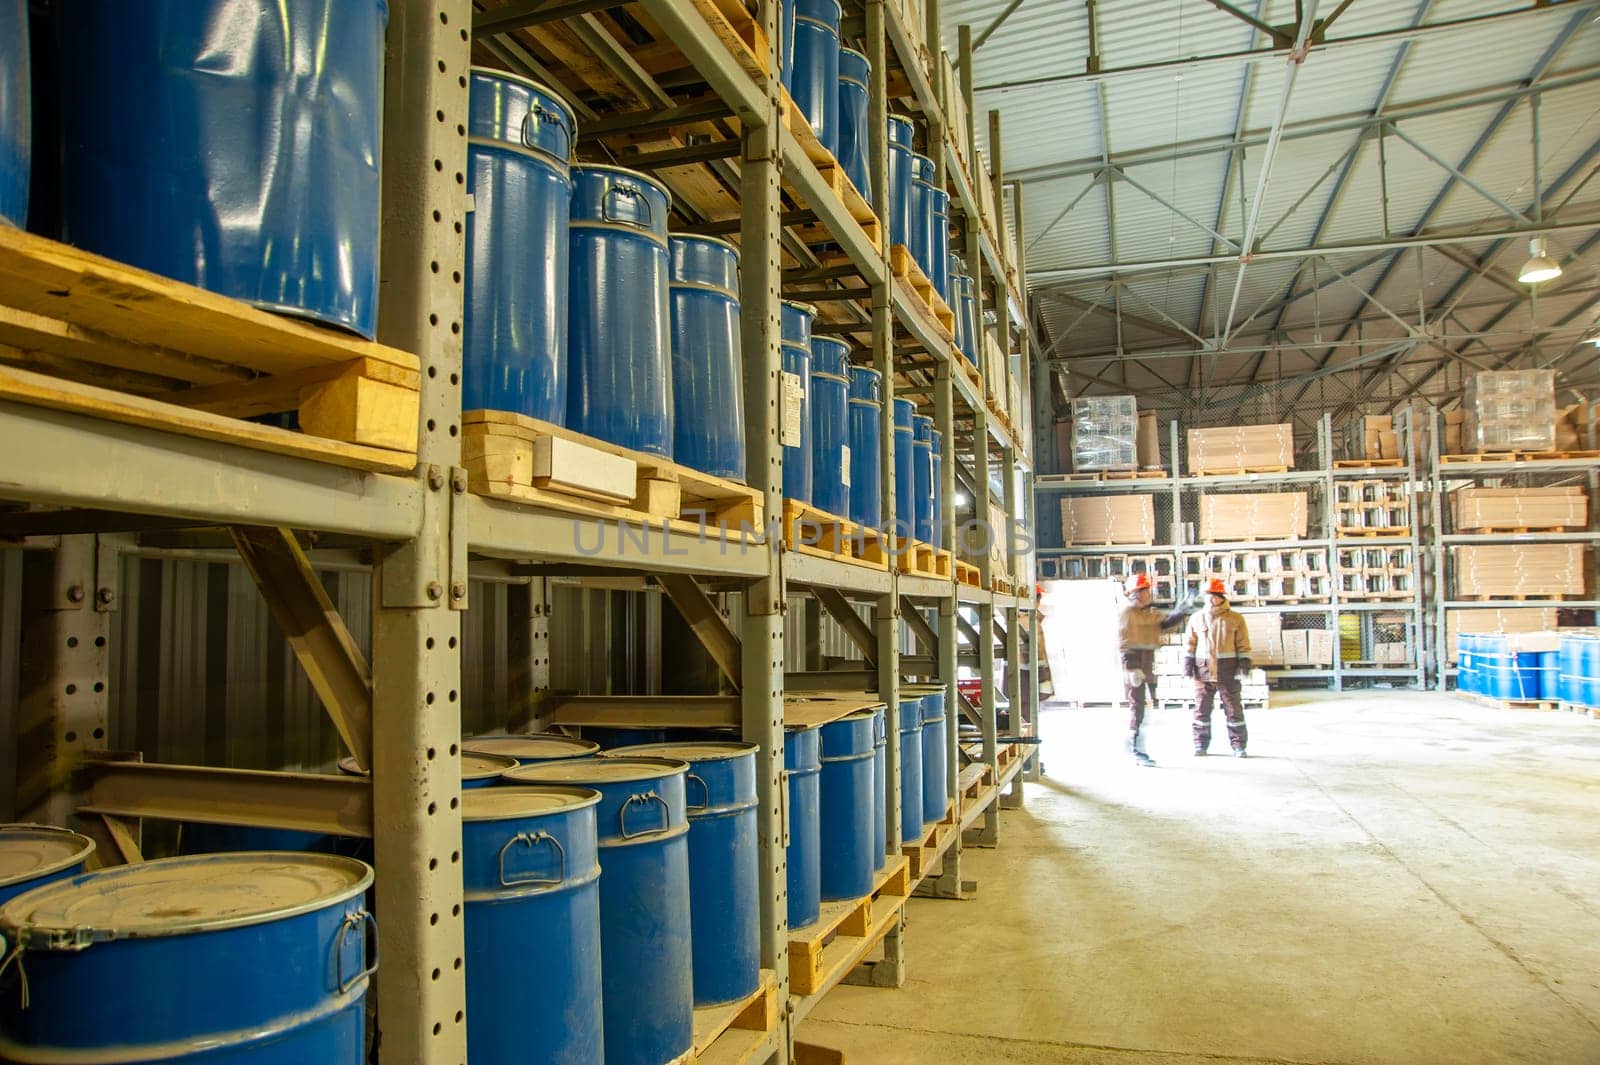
{"x":1539,"y":267}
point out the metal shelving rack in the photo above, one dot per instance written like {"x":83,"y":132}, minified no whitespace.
{"x":1444,"y":478}
{"x":423,"y":534}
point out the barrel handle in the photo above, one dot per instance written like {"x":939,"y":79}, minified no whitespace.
{"x":627,"y":192}
{"x":703,"y":787}
{"x":354,"y":920}
{"x":533,"y":839}
{"x":644,"y":799}
{"x":546,"y":115}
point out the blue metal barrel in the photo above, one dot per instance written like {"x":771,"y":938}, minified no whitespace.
{"x":1494,"y":664}
{"x":905,"y":487}
{"x":1466,"y":649}
{"x":786,"y":16}
{"x":530,"y":870}
{"x":814,"y":81}
{"x":1569,"y":680}
{"x":249,"y":165}
{"x":922,"y":477}
{"x":724,"y":866}
{"x":921,"y":231}
{"x":802,"y":768}
{"x":618,"y":335}
{"x":967,"y":297}
{"x":34,"y":855}
{"x":880,"y":788}
{"x":514,"y":345}
{"x":16,"y":112}
{"x":645,"y":960}
{"x":1549,"y":670}
{"x":866,"y":446}
{"x":222,"y":958}
{"x":911,"y":770}
{"x":1589,"y":669}
{"x":935,"y":756}
{"x":1526,"y":675}
{"x":830,"y":425}
{"x":901,"y":136}
{"x":794,"y":422}
{"x":478,"y":769}
{"x":936,"y":452}
{"x":939,"y":242}
{"x":855,"y":73}
{"x":847,"y":806}
{"x":539,"y":747}
{"x":708,"y":383}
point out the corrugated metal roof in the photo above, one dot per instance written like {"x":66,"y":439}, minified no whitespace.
{"x":1154,"y":120}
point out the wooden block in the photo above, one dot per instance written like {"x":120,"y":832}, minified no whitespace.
{"x":858,"y":922}
{"x":662,"y":498}
{"x":360,"y":410}
{"x":497,"y":460}
{"x":566,"y":465}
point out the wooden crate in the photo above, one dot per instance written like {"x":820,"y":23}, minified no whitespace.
{"x":810,"y":531}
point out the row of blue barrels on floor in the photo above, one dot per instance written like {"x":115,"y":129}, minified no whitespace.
{"x":1578,"y":668}
{"x":1507,"y":666}
{"x":250,"y":165}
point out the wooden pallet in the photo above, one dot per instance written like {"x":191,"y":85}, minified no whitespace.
{"x":968,"y":574}
{"x":1240,"y":471}
{"x":510,"y":456}
{"x":1576,"y":708}
{"x":1485,"y":529}
{"x":90,"y":336}
{"x":1518,"y":456}
{"x":917,"y":559}
{"x":1002,"y":587}
{"x":833,"y":174}
{"x":1385,"y":532}
{"x":972,"y":782}
{"x":737,"y":1027}
{"x":934,"y":842}
{"x":1262,"y":539}
{"x":1508,"y":704}
{"x":821,"y":953}
{"x":907,"y":271}
{"x":732,"y":24}
{"x":963,"y":366}
{"x":810,"y":531}
{"x":1552,"y":598}
{"x":1367,"y":464}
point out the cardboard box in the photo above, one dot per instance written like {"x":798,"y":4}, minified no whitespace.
{"x":1319,"y":647}
{"x":1534,"y":619}
{"x":1253,"y":516}
{"x":1566,"y":507}
{"x":1393,"y":653}
{"x":1063,"y":441}
{"x":1453,"y":421}
{"x":1110,"y":519}
{"x":1241,"y":447}
{"x":1293,"y":642}
{"x":1148,"y":442}
{"x":1266,"y":638}
{"x":1519,"y":569}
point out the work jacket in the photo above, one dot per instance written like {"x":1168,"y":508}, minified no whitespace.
{"x":1216,"y":635}
{"x":1139,"y":627}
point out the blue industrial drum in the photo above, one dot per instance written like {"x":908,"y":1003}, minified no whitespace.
{"x":514,"y":346}
{"x":971,"y":334}
{"x":794,"y":402}
{"x":814,"y":82}
{"x":34,"y":855}
{"x":802,"y":766}
{"x":1466,"y":649}
{"x":232,"y":146}
{"x":256,"y":957}
{"x":936,"y":451}
{"x":16,"y":112}
{"x":708,"y":385}
{"x":1589,"y":669}
{"x":1493,"y":664}
{"x":830,"y":425}
{"x":901,"y":136}
{"x":921,"y":212}
{"x":478,"y":769}
{"x":1527,"y":675}
{"x":1549,"y":670}
{"x":645,"y":960}
{"x":786,"y":16}
{"x":1569,"y":680}
{"x":530,"y":872}
{"x":911,"y":770}
{"x":847,"y":806}
{"x":922,"y":477}
{"x":855,"y":73}
{"x":618,"y":342}
{"x":880,"y":788}
{"x":538,"y":747}
{"x":866,"y":446}
{"x":905,"y":488}
{"x":724,"y":866}
{"x":935,"y":756}
{"x":939,"y":242}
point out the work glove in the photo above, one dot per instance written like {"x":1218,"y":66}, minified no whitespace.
{"x":1244,"y":664}
{"x":1194,"y":601}
{"x":1188,"y":666}
{"x":1133,"y":677}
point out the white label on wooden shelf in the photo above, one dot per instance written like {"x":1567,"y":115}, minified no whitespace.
{"x":562,"y":463}
{"x":844,"y":466}
{"x":794,"y":398}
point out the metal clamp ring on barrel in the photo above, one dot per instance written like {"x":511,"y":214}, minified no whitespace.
{"x":627,"y":192}
{"x":643,"y":799}
{"x":354,"y":920}
{"x":533,"y":839}
{"x":544,"y":114}
{"x":703,"y":787}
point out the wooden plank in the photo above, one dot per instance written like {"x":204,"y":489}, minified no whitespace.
{"x":29,"y":332}
{"x":756,"y":1012}
{"x":246,"y":398}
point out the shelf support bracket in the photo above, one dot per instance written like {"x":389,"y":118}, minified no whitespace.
{"x":712,"y":629}
{"x":859,"y":632}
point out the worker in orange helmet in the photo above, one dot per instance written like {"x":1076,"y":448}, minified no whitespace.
{"x":1139,"y":633}
{"x":1216,"y":656}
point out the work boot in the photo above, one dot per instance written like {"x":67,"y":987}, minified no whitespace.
{"x":1140,"y":758}
{"x":1240,"y":753}
{"x":1133,"y":743}
{"x":1199,"y":752}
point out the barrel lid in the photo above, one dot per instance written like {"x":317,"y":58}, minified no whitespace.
{"x":534,"y":746}
{"x":901,"y":120}
{"x":500,"y":804}
{"x":31,"y":851}
{"x":474,"y":765}
{"x":615,"y":770}
{"x":695,"y":238}
{"x":609,"y":168}
{"x":177,"y":896}
{"x":688,"y":751}
{"x":922,"y":689}
{"x":803,"y":308}
{"x":538,"y":86}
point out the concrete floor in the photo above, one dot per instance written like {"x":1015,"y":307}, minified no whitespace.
{"x":1391,"y":877}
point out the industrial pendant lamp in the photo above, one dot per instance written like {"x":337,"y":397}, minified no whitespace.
{"x":1539,"y":267}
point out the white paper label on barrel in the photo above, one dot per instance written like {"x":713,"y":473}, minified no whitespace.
{"x":844,"y":466}
{"x":794,"y":395}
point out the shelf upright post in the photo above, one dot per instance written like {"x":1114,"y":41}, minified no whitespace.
{"x":1002,"y":283}
{"x":421,"y":585}
{"x":1330,"y":534}
{"x":949,"y":884}
{"x":1441,"y":593}
{"x":1013,"y":612}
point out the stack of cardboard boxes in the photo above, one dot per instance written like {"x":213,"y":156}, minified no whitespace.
{"x":1519,"y":509}
{"x":1525,"y":619}
{"x":1307,"y":647}
{"x":1108,"y":519}
{"x":1232,"y":449}
{"x":1173,"y":688}
{"x":1252,"y":516}
{"x":1527,"y":570}
{"x":1371,"y":437}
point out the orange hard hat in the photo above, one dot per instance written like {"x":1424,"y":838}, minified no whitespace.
{"x":1137,"y":582}
{"x":1215,"y":587}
